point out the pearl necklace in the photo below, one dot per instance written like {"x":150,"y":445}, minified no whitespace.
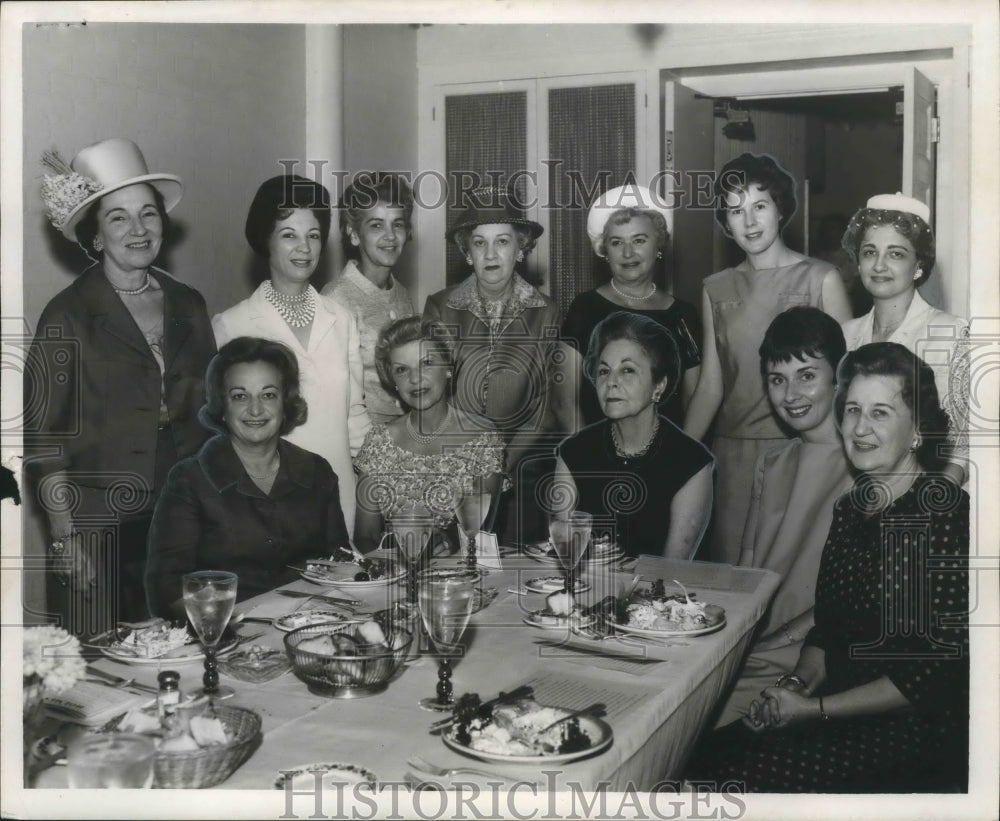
{"x":297,"y":311}
{"x":134,"y":291}
{"x":426,"y":438}
{"x":623,"y":295}
{"x":620,"y":448}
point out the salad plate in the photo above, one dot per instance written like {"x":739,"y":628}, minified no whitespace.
{"x":553,"y":584}
{"x":111,"y":645}
{"x":343,"y":574}
{"x":544,"y":620}
{"x":335,"y":774}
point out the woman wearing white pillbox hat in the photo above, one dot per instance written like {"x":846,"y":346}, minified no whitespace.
{"x":893,"y":244}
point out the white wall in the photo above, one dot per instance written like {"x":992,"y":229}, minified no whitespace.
{"x":216,"y":105}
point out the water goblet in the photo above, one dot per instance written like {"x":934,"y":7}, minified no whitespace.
{"x":209,"y":597}
{"x":570,"y":533}
{"x":470,"y":513}
{"x":111,"y":761}
{"x":446,"y":602}
{"x":413,"y":529}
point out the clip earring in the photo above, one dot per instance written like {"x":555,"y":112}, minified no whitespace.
{"x":919,"y":273}
{"x":98,"y":245}
{"x":520,"y":256}
{"x":659,"y":254}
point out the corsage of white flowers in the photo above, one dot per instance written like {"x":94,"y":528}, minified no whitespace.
{"x":52,"y":658}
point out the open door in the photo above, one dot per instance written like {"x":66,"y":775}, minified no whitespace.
{"x":689,"y":160}
{"x":919,"y":137}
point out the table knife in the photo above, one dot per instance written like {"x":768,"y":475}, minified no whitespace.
{"x":299,"y":594}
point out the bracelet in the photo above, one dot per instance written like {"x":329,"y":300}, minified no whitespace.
{"x":57,"y":547}
{"x":822,"y":711}
{"x":792,"y":677}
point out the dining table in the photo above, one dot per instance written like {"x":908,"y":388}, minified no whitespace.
{"x":659,"y":693}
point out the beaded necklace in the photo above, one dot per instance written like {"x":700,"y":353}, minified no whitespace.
{"x":623,"y":295}
{"x":620,"y":448}
{"x":297,"y":311}
{"x":134,"y":291}
{"x":426,"y":438}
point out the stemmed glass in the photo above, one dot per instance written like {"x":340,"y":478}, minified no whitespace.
{"x":570,"y":532}
{"x":209,"y":598}
{"x":471,"y":512}
{"x":446,"y":602}
{"x":413,"y":529}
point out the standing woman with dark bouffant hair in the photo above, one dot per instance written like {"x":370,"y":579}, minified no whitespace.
{"x":755,"y":200}
{"x":288,"y":225}
{"x":121,"y":355}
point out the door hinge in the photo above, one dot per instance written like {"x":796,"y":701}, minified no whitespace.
{"x":935,"y":129}
{"x":433,"y":113}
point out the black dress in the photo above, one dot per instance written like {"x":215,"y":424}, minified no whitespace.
{"x":632,"y":495}
{"x":891,"y":600}
{"x":681,"y":319}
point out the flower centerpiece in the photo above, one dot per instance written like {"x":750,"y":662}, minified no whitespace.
{"x":52,"y":663}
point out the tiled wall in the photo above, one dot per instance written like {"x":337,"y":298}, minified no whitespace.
{"x":217,"y":105}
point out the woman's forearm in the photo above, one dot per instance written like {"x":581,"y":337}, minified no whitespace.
{"x":873,"y":698}
{"x":690,"y":511}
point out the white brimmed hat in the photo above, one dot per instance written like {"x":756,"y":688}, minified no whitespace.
{"x":624,"y":196}
{"x":901,"y":202}
{"x":97,"y":170}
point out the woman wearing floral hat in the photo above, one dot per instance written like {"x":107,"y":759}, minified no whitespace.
{"x":892,"y":242}
{"x":288,"y":225}
{"x":627,"y":227}
{"x":508,"y":354}
{"x":123,"y":352}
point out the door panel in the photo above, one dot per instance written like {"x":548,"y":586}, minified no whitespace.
{"x":689,"y":162}
{"x":919,"y":98}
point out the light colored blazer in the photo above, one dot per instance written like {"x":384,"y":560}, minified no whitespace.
{"x":938,"y":338}
{"x":331,"y":375}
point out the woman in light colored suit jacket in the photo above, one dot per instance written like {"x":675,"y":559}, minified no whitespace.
{"x":288,"y":224}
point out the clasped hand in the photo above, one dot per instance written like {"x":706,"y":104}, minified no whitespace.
{"x":779,"y":707}
{"x":73,"y":566}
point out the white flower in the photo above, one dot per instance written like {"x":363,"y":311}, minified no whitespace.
{"x":52,"y":657}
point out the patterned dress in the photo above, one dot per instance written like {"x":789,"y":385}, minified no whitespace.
{"x":399,"y":479}
{"x":892,"y":601}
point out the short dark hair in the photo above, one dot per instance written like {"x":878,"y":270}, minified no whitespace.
{"x":245,"y":349}
{"x":368,"y":190}
{"x":658,"y":343}
{"x":909,"y":225}
{"x":402,"y":332}
{"x":86,"y":228}
{"x":802,"y":331}
{"x":525,"y":239}
{"x":919,"y":392}
{"x":624,"y":215}
{"x":276,"y":199}
{"x":755,"y":169}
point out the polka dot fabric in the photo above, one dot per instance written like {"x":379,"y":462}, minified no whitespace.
{"x":891,"y":600}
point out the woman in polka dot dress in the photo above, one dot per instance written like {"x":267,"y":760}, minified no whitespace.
{"x":879,"y":698}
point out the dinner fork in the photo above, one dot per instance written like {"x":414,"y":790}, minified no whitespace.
{"x":445,"y":772}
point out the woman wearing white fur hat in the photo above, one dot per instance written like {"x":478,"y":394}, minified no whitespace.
{"x":119,"y":362}
{"x":892,"y":242}
{"x":627,"y":227}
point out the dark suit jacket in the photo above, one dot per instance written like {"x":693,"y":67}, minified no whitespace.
{"x":211,"y":516}
{"x":92,"y":390}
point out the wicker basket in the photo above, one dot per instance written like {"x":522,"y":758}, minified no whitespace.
{"x":211,"y":765}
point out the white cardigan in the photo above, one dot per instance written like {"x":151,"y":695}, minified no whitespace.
{"x":331,"y":378}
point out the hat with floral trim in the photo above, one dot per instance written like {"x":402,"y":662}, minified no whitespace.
{"x":95,"y":171}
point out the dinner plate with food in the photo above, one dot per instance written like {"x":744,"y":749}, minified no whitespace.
{"x":652,"y":612}
{"x":599,"y":552}
{"x":335,"y":775}
{"x":155,"y":642}
{"x":359,"y":574}
{"x":553,"y":584}
{"x":561,"y":612}
{"x":302,"y":618}
{"x":524,"y":732}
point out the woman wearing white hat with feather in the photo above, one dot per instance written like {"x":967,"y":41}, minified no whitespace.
{"x":121,"y":355}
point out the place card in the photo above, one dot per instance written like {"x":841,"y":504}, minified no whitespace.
{"x":488,"y":550}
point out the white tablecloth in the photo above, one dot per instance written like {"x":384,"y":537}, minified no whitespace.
{"x":656,"y":710}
